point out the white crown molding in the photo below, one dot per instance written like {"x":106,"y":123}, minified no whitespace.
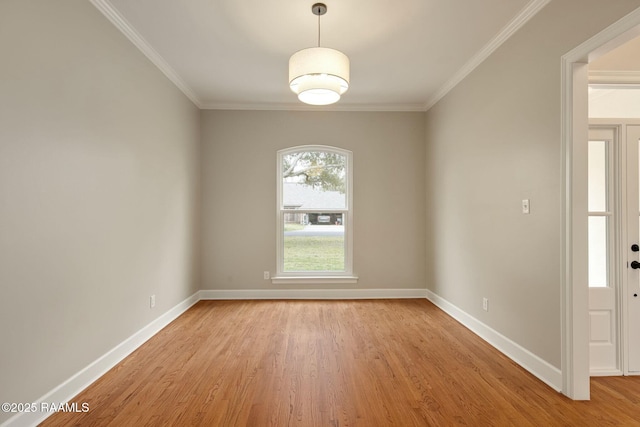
{"x":112,"y":14}
{"x":107,"y":9}
{"x":599,"y":77}
{"x":304,"y":107}
{"x":529,"y":11}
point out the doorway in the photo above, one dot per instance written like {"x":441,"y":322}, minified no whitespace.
{"x":574,"y":113}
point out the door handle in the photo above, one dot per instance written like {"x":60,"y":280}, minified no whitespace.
{"x":635,"y":248}
{"x":635,"y":264}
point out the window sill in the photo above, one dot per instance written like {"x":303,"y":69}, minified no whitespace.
{"x":313,"y":280}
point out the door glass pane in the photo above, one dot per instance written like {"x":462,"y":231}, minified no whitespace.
{"x":598,"y":273}
{"x":597,"y":176}
{"x":314,"y":242}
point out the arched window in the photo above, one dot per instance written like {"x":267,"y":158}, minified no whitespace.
{"x":315,"y":215}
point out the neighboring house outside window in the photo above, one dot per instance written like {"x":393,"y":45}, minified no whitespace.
{"x":315,"y":215}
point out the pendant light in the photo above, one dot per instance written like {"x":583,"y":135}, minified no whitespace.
{"x":319,"y":75}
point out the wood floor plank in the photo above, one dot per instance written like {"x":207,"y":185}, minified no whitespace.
{"x":337,"y":364}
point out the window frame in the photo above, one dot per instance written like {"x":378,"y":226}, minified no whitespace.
{"x":315,"y":277}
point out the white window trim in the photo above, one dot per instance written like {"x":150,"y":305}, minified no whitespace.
{"x":316,"y":277}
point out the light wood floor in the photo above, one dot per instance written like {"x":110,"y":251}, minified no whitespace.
{"x":333,"y":363}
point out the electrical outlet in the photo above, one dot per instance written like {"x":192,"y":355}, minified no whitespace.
{"x":485,"y":304}
{"x":152,"y":301}
{"x":266,"y":275}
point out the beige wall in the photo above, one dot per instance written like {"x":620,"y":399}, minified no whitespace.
{"x":491,"y":142}
{"x":98,"y":192}
{"x":239,"y":193}
{"x":101,"y":192}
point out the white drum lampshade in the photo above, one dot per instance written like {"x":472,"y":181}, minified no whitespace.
{"x":319,"y":75}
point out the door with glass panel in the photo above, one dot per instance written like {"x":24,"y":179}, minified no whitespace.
{"x":604,"y":271}
{"x":631,"y":289}
{"x":614,"y":248}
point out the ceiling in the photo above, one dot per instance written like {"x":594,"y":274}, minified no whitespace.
{"x":233,"y":54}
{"x":614,"y":90}
{"x":623,"y":58}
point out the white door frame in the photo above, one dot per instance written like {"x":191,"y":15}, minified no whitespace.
{"x":575,"y":125}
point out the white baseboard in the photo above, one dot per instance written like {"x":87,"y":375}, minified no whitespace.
{"x":74,"y":385}
{"x":248,"y":294}
{"x":547,"y":373}
{"x":605,"y":373}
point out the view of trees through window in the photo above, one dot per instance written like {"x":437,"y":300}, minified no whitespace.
{"x":320,"y":170}
{"x":313,"y":209}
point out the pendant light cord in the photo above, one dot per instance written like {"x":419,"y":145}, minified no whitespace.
{"x":319,"y":9}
